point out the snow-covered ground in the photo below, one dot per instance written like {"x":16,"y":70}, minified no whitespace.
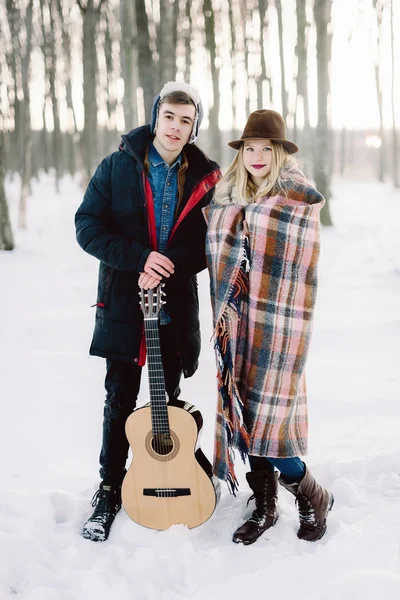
{"x":51,"y":415}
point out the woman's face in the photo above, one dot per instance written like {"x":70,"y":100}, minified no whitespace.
{"x":257,"y":158}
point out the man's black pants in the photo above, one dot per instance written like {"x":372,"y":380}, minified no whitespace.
{"x":122,"y":385}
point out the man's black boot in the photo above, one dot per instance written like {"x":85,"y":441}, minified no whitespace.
{"x":107,"y":502}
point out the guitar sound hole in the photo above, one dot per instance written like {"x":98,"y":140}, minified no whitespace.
{"x":162,"y":444}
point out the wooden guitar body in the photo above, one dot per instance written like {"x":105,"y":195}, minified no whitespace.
{"x":168,"y":484}
{"x":169,"y":481}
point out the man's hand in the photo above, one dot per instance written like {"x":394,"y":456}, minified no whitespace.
{"x":158,"y":265}
{"x":148,"y":282}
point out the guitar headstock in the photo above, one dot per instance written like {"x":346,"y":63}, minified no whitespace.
{"x":151,"y":302}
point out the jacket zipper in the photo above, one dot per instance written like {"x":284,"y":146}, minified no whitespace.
{"x":106,"y":291}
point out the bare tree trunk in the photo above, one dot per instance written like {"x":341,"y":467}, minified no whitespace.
{"x":343,"y":151}
{"x":378,"y":6}
{"x":177,"y":33}
{"x":89,"y":87}
{"x":90,"y":16}
{"x":395,"y":165}
{"x":66,"y":43}
{"x":72,"y":124}
{"x":112,"y":33}
{"x":6,"y":234}
{"x":322,"y":159}
{"x":302,"y":81}
{"x":284,"y":94}
{"x":14,"y":59}
{"x":166,"y":43}
{"x":245,"y":17}
{"x":108,"y":55}
{"x":232,"y":23}
{"x":6,"y":147}
{"x":44,"y":136}
{"x":27,"y":134}
{"x":145,"y":59}
{"x":188,"y":38}
{"x":44,"y":44}
{"x":129,"y":64}
{"x":57,"y":140}
{"x":262,"y":7}
{"x":213,"y":117}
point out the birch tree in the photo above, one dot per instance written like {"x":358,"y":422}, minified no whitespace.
{"x":26,"y":121}
{"x":213,"y":116}
{"x":302,"y":100}
{"x":284,"y":94}
{"x":44,"y":45}
{"x":50,"y":26}
{"x":263,"y":10}
{"x":234,"y":49}
{"x":64,"y":9}
{"x":322,"y":156}
{"x":188,"y":29}
{"x":6,"y":234}
{"x":378,"y":7}
{"x":57,"y":139}
{"x":90,"y":16}
{"x":145,"y":58}
{"x":129,"y":61}
{"x":166,"y":43}
{"x":395,"y":146}
{"x":14,"y":58}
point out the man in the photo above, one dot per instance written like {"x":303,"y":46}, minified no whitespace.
{"x":141,"y":217}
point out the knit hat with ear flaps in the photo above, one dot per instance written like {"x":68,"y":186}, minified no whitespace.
{"x":175,"y":86}
{"x":265,"y":124}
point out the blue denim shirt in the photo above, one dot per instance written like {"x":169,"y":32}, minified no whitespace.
{"x":164,"y":185}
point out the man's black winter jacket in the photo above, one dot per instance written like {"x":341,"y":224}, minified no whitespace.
{"x":112,"y":225}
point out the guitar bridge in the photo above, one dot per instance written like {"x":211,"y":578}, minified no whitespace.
{"x":166,"y":492}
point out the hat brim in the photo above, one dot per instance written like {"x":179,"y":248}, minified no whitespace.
{"x":290,"y":146}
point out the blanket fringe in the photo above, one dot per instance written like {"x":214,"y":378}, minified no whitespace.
{"x":232,"y":408}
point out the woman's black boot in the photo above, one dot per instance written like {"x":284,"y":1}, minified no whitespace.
{"x":265,"y":493}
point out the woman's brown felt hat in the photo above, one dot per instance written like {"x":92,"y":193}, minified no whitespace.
{"x":265,"y":124}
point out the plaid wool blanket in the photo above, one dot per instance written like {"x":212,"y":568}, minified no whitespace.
{"x":262,"y":260}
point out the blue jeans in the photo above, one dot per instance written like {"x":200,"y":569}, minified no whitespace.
{"x":292,"y":469}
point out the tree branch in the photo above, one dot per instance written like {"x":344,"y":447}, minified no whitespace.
{"x":100,"y":5}
{"x":81,"y":6}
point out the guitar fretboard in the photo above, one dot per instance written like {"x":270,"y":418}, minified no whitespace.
{"x":158,"y":401}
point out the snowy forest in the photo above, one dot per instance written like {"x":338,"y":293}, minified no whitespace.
{"x":75,"y":73}
{"x":74,"y":76}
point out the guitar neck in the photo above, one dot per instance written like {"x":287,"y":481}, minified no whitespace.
{"x":158,"y":400}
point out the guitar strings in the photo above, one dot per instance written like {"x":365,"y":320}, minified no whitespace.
{"x":157,"y":390}
{"x":154,"y":395}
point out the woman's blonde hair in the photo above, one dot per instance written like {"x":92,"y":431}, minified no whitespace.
{"x":236,"y":186}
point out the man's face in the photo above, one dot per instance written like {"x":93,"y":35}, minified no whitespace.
{"x":175,"y":124}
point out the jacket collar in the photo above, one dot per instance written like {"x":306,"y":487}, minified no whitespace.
{"x":156,"y":159}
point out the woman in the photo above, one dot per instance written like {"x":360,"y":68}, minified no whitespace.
{"x":262,"y":252}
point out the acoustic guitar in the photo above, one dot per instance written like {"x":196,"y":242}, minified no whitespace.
{"x":170,"y":480}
